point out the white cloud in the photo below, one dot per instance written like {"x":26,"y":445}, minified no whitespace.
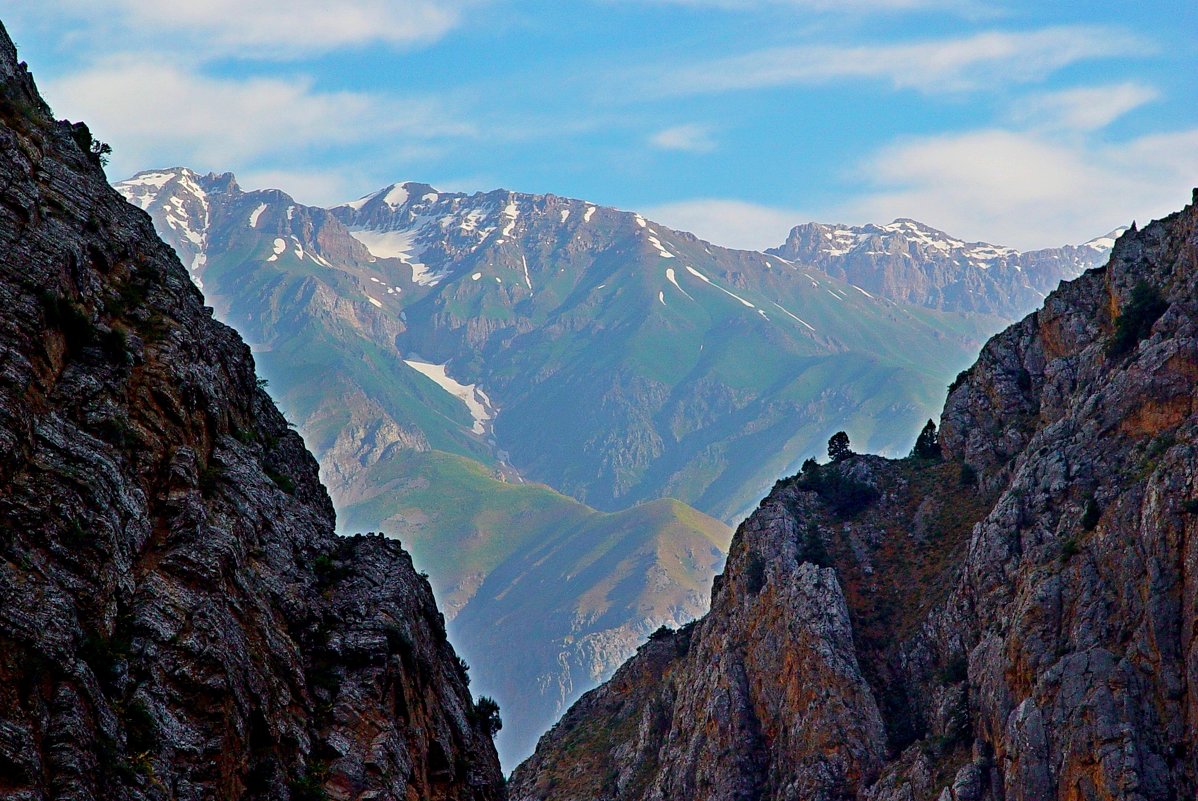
{"x":730,"y":223}
{"x":314,"y":187}
{"x":1022,"y":189}
{"x":1027,"y":189}
{"x":946,"y":65}
{"x":687,"y":138}
{"x":818,"y":5}
{"x":1086,"y":108}
{"x":156,"y":113}
{"x":270,"y":29}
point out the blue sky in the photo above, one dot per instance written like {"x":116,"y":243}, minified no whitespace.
{"x":1027,"y":124}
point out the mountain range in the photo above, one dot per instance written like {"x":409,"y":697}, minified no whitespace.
{"x":504,"y":377}
{"x":908,"y":261}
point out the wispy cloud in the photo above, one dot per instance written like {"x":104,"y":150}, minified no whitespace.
{"x":944,"y":65}
{"x":818,"y":5}
{"x":731,"y":223}
{"x":272,"y":30}
{"x":1028,"y":189}
{"x":690,"y":138}
{"x":1085,"y":108}
{"x":169,"y":114}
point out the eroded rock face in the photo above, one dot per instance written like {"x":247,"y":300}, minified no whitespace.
{"x":177,"y":618}
{"x":1019,"y":629}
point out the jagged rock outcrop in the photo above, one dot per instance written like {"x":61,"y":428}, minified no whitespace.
{"x":177,"y":618}
{"x":1015,"y":621}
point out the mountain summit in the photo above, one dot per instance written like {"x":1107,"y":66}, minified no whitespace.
{"x":909,"y":261}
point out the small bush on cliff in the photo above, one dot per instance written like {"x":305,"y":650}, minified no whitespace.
{"x":141,"y":728}
{"x":328,"y":570}
{"x":96,"y":150}
{"x":844,"y":494}
{"x":955,"y":670}
{"x":1069,"y":549}
{"x":283,"y":482}
{"x":310,"y":786}
{"x":463,"y":669}
{"x":70,"y":319}
{"x":811,"y":548}
{"x":1134,"y":323}
{"x":969,"y":476}
{"x":486,"y":715}
{"x":927,"y":444}
{"x":1091,"y":515}
{"x":838,"y":447}
{"x":755,"y":574}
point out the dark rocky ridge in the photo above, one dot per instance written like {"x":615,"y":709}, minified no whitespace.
{"x":177,"y":618}
{"x":1021,"y":629}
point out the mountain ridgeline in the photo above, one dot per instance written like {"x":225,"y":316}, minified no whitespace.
{"x":909,"y":261}
{"x":610,"y":357}
{"x":178,"y":619}
{"x":1012,"y":619}
{"x":466,"y":344}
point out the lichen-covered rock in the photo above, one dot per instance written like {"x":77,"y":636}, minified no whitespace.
{"x":177,"y":618}
{"x":1014,"y":622}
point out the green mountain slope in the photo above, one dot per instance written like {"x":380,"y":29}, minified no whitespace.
{"x":633,"y":362}
{"x":545,"y":595}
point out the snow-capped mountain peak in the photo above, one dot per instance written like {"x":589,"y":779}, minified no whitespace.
{"x":184,"y":201}
{"x":910,"y":260}
{"x":1107,"y":241}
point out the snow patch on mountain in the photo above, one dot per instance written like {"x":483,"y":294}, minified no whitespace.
{"x":527,"y":279}
{"x":512,"y":212}
{"x":794,"y":316}
{"x":708,"y":281}
{"x":665,"y":254}
{"x":476,"y":401}
{"x":397,"y":195}
{"x":673,"y":279}
{"x":1106,"y":241}
{"x":256,"y":213}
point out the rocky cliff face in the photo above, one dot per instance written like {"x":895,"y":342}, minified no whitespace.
{"x":908,"y":261}
{"x":1014,"y":621}
{"x":177,"y":618}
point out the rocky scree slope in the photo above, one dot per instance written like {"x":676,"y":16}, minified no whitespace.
{"x":177,"y":618}
{"x":1014,"y":621}
{"x":908,"y":261}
